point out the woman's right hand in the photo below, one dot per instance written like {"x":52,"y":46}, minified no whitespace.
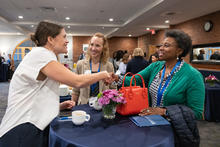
{"x":111,"y":79}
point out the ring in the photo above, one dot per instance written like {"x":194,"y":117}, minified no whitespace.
{"x":148,"y":110}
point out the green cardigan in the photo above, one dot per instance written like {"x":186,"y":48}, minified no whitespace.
{"x":186,"y":87}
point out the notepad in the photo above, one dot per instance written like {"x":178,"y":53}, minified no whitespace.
{"x":149,"y":120}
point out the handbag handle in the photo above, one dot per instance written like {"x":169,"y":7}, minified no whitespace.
{"x":128,"y":73}
{"x":144,"y":89}
{"x":135,"y":80}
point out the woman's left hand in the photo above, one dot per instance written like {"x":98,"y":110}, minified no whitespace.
{"x":67,"y":105}
{"x":153,"y":111}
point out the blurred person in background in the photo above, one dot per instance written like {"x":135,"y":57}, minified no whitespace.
{"x":2,"y":59}
{"x":215,"y":56}
{"x":123,"y":64}
{"x":201,"y":54}
{"x":11,"y":67}
{"x":137,"y":63}
{"x":113,"y":61}
{"x":154,"y":58}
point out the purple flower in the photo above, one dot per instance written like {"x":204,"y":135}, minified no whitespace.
{"x":110,"y":96}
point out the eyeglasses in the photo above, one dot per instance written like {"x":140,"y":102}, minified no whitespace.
{"x":167,"y":45}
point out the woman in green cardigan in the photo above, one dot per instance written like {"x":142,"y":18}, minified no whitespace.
{"x":172,"y":81}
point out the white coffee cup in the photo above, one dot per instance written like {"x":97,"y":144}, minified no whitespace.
{"x":93,"y":102}
{"x":79,"y":117}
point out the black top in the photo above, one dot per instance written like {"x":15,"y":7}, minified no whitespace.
{"x":200,"y":57}
{"x":215,"y":57}
{"x":1,"y":59}
{"x":136,"y":64}
{"x":94,"y":92}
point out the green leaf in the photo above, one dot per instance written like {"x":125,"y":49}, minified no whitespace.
{"x":99,"y":95}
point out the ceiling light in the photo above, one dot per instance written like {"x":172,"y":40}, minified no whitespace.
{"x":19,"y":33}
{"x":68,"y":26}
{"x":32,"y":26}
{"x":147,"y":29}
{"x":20,"y":17}
{"x":103,"y":28}
{"x":129,"y":35}
{"x":111,"y":19}
{"x":167,"y":21}
{"x":67,"y":18}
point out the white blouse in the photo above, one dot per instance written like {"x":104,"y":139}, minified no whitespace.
{"x":31,"y":100}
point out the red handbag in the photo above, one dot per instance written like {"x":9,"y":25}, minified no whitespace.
{"x":136,"y":97}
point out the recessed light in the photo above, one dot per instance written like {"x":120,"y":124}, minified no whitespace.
{"x":20,"y":17}
{"x":148,"y":29}
{"x":103,"y":28}
{"x":167,"y":21}
{"x":32,"y":26}
{"x":111,"y":19}
{"x":129,"y":35}
{"x":68,"y":26}
{"x":67,"y":18}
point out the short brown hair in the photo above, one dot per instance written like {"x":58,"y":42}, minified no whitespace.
{"x":43,"y":31}
{"x":105,"y":50}
{"x":125,"y":57}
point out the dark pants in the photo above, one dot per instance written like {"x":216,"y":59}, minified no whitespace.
{"x":25,"y":135}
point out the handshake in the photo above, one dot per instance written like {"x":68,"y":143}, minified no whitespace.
{"x":111,"y":78}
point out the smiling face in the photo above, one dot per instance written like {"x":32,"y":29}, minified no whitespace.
{"x":59,"y":43}
{"x":96,"y":47}
{"x":169,"y":50}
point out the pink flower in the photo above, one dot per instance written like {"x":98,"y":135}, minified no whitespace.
{"x":110,"y":96}
{"x":211,"y":78}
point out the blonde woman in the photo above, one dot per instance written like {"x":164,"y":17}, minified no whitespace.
{"x":97,"y":60}
{"x":138,"y":62}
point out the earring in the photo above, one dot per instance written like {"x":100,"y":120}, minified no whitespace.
{"x":177,"y":58}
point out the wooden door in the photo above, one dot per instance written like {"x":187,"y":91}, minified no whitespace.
{"x":152,"y":50}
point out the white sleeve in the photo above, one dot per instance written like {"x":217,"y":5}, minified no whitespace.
{"x":34,"y":61}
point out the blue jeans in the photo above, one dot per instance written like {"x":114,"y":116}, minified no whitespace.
{"x":25,"y":135}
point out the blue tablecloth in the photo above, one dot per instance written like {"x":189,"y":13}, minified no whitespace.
{"x":3,"y":72}
{"x":65,"y":98}
{"x":212,"y":102}
{"x":98,"y":132}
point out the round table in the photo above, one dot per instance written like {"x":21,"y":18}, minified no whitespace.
{"x":98,"y":132}
{"x":212,"y":102}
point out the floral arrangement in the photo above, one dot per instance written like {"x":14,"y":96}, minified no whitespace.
{"x":110,"y":97}
{"x":211,"y":78}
